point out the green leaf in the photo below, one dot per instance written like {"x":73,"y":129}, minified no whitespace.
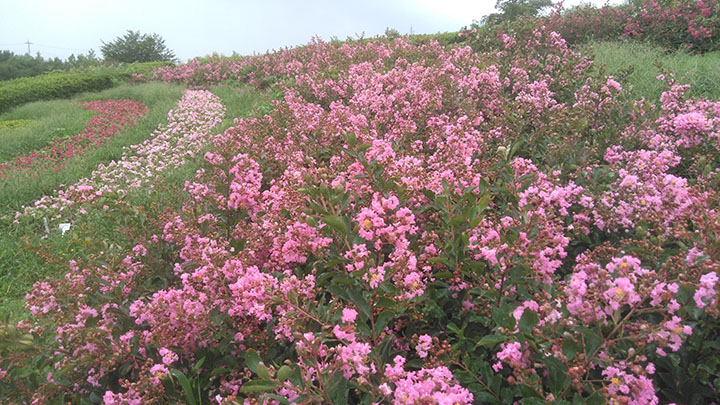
{"x":337,"y":389}
{"x":570,"y":348}
{"x":199,"y":364}
{"x":276,"y":397}
{"x":383,"y":319}
{"x":429,"y":194}
{"x":359,"y":299}
{"x":592,"y":339}
{"x":557,"y":375}
{"x":351,"y":139}
{"x":457,"y":221}
{"x":185,"y":384}
{"x":258,"y":386}
{"x":490,"y":340}
{"x":338,"y":291}
{"x":252,"y":360}
{"x":284,"y":373}
{"x":528,"y":321}
{"x":337,"y":223}
{"x":503,"y":318}
{"x":263,"y":371}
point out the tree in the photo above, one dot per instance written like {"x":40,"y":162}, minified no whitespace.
{"x":136,"y":47}
{"x":510,"y":10}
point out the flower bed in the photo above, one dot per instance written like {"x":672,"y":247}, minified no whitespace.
{"x":185,"y":134}
{"x":112,"y":115}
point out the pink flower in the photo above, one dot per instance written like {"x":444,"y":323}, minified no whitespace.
{"x":423,"y":346}
{"x":706,"y":291}
{"x":168,"y":357}
{"x":349,"y":315}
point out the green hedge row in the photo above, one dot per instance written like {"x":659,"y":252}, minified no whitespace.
{"x":50,"y":86}
{"x":59,"y":85}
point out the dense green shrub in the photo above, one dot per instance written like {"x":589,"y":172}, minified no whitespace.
{"x":54,"y":85}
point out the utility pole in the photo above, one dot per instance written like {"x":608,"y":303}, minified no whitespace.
{"x":28,"y":44}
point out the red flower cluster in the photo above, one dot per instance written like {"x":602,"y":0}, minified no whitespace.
{"x":112,"y":115}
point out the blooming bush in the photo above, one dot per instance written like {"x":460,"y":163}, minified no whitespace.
{"x":409,"y":224}
{"x":675,"y":24}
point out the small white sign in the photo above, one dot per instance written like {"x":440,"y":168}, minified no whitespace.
{"x":64,"y":228}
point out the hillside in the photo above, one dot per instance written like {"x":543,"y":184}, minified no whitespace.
{"x":491,"y":216}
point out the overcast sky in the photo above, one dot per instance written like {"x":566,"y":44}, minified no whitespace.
{"x":58,"y":28}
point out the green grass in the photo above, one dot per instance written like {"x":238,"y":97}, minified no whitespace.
{"x":702,"y":72}
{"x":26,"y":257}
{"x":50,"y":120}
{"x":242,"y":101}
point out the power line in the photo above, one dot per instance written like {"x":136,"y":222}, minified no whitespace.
{"x":28,"y":44}
{"x":59,"y":47}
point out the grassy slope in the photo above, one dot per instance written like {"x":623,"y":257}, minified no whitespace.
{"x":49,"y":120}
{"x":26,"y":258}
{"x":702,"y":72}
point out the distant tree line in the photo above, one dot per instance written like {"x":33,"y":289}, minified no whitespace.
{"x":15,"y":65}
{"x":130,"y":48}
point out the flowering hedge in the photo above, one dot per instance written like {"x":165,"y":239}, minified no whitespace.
{"x":679,"y":24}
{"x":410,"y":224}
{"x":112,"y":115}
{"x":675,"y":24}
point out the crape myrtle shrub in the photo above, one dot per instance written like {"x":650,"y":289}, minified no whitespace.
{"x":675,"y":24}
{"x":409,"y":224}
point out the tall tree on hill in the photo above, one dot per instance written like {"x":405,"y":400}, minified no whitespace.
{"x":510,"y":10}
{"x":137,"y":47}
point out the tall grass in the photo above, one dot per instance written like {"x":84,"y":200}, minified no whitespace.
{"x":49,"y":120}
{"x":702,"y":72}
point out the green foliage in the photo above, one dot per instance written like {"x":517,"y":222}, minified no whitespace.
{"x":63,"y":85}
{"x":14,"y":66}
{"x":50,"y":86}
{"x":136,"y":47}
{"x":13,"y":124}
{"x":511,"y":10}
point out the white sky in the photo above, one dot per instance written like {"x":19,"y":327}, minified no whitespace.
{"x":58,"y":28}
